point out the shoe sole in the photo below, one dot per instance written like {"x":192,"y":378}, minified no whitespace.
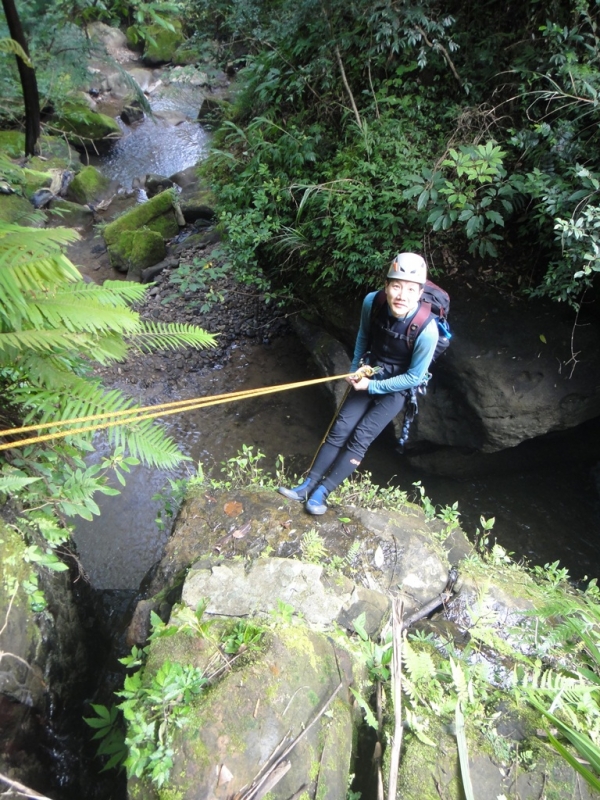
{"x":316,"y":511}
{"x":291,"y":494}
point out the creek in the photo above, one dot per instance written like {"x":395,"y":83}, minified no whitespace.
{"x":543,"y":515}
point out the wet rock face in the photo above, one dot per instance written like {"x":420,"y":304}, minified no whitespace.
{"x":43,"y":665}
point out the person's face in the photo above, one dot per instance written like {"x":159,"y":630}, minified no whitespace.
{"x":402,"y":296}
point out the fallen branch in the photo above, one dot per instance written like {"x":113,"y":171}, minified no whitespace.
{"x":255,"y":791}
{"x":443,"y":51}
{"x":23,"y":790}
{"x":347,"y":85}
{"x":396,"y":696}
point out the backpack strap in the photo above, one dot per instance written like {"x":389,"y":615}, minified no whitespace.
{"x":379,"y":301}
{"x":420,"y":319}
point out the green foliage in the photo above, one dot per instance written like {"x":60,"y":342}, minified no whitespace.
{"x":199,"y":276}
{"x":312,"y":547}
{"x":53,"y":327}
{"x":152,"y":709}
{"x":377,"y":657}
{"x":474,"y":191}
{"x":243,"y":636}
{"x":567,"y":635}
{"x":109,"y":732}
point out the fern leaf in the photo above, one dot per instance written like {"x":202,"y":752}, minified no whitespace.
{"x":12,"y":344}
{"x":170,"y":336}
{"x":11,"y":46}
{"x":12,"y":483}
{"x":67,"y":311}
{"x":420,"y":666}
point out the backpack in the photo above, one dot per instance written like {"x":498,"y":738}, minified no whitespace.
{"x":434,"y":300}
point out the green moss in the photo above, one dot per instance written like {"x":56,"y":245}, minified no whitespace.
{"x":14,"y":208}
{"x":161,"y":43}
{"x":136,"y":250}
{"x":83,"y":123}
{"x":34,"y":180}
{"x":12,"y":143}
{"x":69,"y":214}
{"x":187,"y":53}
{"x":156,"y":215}
{"x":87,"y":185}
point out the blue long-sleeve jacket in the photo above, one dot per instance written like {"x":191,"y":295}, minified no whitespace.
{"x":419,"y":363}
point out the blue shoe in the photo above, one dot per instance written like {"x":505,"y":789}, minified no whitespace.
{"x":316,"y":504}
{"x":300,"y":493}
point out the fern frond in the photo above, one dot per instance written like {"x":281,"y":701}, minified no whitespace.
{"x":11,"y":46}
{"x":11,"y":344}
{"x":65,"y":310}
{"x":29,"y":261}
{"x":148,"y":442}
{"x":62,"y":394}
{"x":419,"y":665}
{"x":152,"y":336}
{"x":12,"y":483}
{"x":120,"y":292}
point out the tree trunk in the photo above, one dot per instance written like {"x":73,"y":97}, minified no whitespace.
{"x":28,"y":80}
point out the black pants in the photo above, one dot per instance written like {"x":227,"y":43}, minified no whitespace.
{"x":361,"y":419}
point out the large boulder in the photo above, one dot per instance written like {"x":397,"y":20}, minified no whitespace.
{"x":88,"y":129}
{"x":136,"y":239}
{"x":162,"y":43}
{"x":197,"y":203}
{"x":88,"y":185}
{"x":71,"y":215}
{"x":17,"y":209}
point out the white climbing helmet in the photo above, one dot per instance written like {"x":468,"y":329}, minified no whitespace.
{"x":408,"y":267}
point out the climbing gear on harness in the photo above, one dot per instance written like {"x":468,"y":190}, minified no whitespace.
{"x":316,"y":504}
{"x":408,"y":267}
{"x":299,"y":492}
{"x":411,"y":409}
{"x":364,"y":371}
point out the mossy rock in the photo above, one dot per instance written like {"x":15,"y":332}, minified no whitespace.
{"x":428,"y":773}
{"x":12,"y":143}
{"x":164,"y":43}
{"x":133,"y":251}
{"x":212,"y":111}
{"x":158,"y":215}
{"x":84,"y":126}
{"x":87,"y":185}
{"x":34,"y":180}
{"x":238,"y":723}
{"x":57,"y":147}
{"x":187,"y":53}
{"x":70,"y":215}
{"x":17,"y":209}
{"x":197,"y":203}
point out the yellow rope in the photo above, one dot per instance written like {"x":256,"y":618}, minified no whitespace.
{"x":164,"y":409}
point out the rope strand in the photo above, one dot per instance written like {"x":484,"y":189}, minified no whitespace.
{"x":161,"y":410}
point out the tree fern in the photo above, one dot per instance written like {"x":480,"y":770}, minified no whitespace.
{"x":53,"y":327}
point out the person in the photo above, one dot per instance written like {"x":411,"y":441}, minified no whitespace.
{"x":382,"y":341}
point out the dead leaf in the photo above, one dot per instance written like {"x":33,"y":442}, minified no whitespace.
{"x":224,"y":775}
{"x":241,"y":532}
{"x":233,"y":508}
